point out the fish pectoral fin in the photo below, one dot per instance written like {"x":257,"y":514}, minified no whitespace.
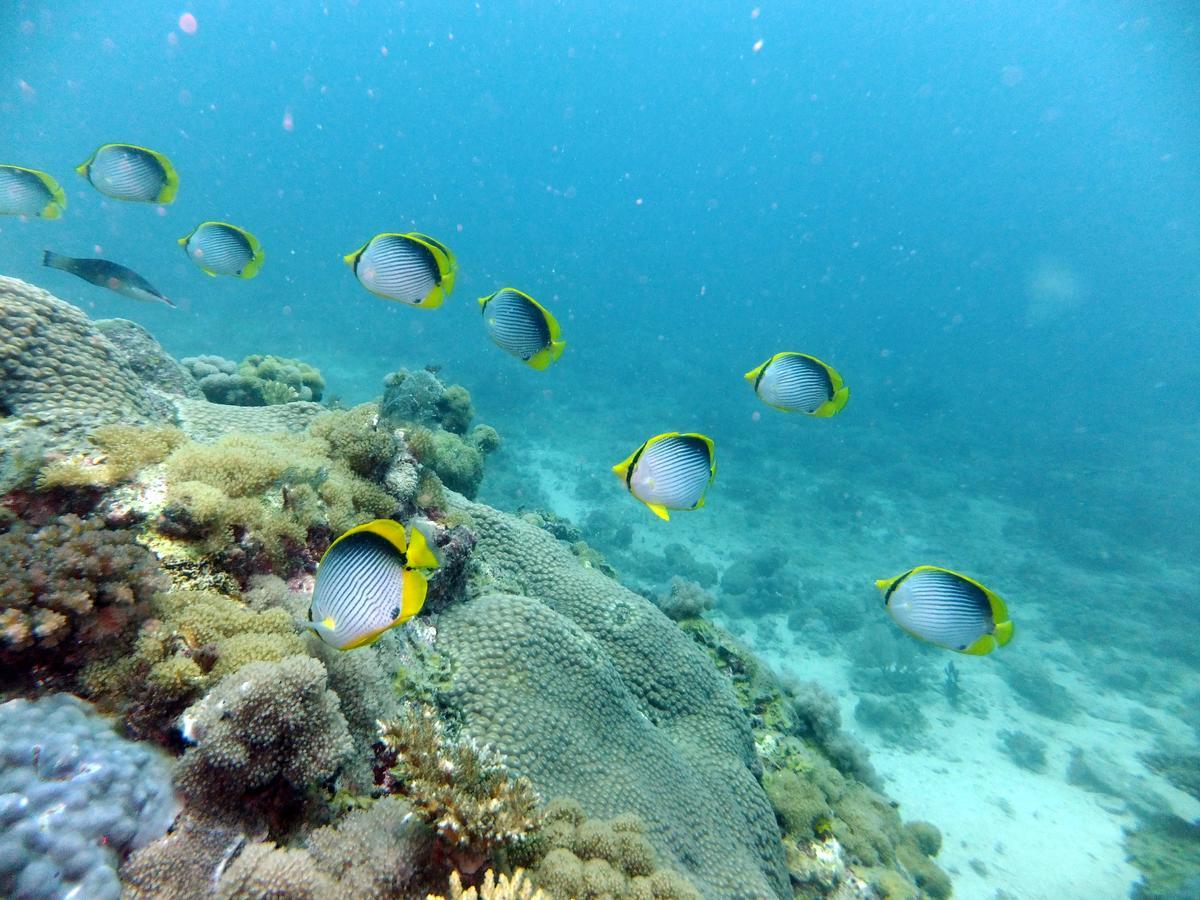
{"x":659,"y":510}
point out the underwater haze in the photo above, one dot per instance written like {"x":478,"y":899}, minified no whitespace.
{"x":985,"y":216}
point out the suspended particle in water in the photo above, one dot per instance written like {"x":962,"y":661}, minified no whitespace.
{"x":188,"y":23}
{"x":758,"y":45}
{"x":288,"y":122}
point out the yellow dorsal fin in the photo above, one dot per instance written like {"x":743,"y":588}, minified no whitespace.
{"x":388,"y":529}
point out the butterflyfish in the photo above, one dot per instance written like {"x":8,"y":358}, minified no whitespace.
{"x":521,"y":326}
{"x":105,"y":274}
{"x":412,"y":268}
{"x":670,"y":471}
{"x":797,"y":382}
{"x":126,"y":172}
{"x":368,"y":581}
{"x":219,"y":248}
{"x":947,"y":609}
{"x":28,"y":192}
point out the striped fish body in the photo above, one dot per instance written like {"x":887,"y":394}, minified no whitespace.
{"x":410,"y":268}
{"x":127,"y":172}
{"x":670,"y":471}
{"x":109,"y":275}
{"x":948,"y":610}
{"x":219,"y":248}
{"x":521,"y":326}
{"x":367,"y":582}
{"x":28,"y":192}
{"x":797,"y":382}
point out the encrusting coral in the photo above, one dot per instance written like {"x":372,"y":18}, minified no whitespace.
{"x":65,"y":589}
{"x":462,"y":790}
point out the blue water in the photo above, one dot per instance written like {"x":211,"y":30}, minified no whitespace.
{"x":984,"y":215}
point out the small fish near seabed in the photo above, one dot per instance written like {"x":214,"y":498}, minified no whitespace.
{"x":670,"y":471}
{"x":369,"y":581}
{"x":947,"y":609}
{"x":411,"y":268}
{"x":28,"y":192}
{"x":127,"y":172}
{"x":797,"y":382}
{"x":105,"y":274}
{"x":218,"y":248}
{"x":521,"y":326}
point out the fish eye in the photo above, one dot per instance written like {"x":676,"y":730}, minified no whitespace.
{"x":395,"y":612}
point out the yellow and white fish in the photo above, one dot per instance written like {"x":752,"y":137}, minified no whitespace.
{"x":797,"y":382}
{"x":519,"y":325}
{"x":219,"y":248}
{"x":133,"y":173}
{"x":368,"y":581}
{"x":947,"y":609}
{"x":670,"y":471}
{"x":28,"y":192}
{"x":412,"y":268}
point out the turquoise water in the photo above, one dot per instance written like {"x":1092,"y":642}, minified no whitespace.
{"x":984,"y":215}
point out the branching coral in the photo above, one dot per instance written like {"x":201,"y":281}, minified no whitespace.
{"x":518,"y":887}
{"x":263,"y":738}
{"x":69,"y":586}
{"x":462,"y":790}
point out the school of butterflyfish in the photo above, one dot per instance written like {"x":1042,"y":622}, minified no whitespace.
{"x":373,"y":577}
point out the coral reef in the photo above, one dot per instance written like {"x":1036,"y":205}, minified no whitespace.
{"x":898,"y":720}
{"x":602,"y":858}
{"x":1024,"y":749}
{"x":146,"y":358}
{"x":66,"y":588}
{"x":592,"y":693}
{"x":122,"y":452}
{"x":1039,"y":689}
{"x":685,"y":600}
{"x":1180,"y":767}
{"x":493,"y":888}
{"x":257,"y":380}
{"x":1166,"y":850}
{"x":73,"y":797}
{"x":207,"y":422}
{"x":192,"y":640}
{"x":60,"y":371}
{"x":461,"y":790}
{"x":262,"y":738}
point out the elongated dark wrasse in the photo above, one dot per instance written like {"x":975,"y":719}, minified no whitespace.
{"x":106,"y":274}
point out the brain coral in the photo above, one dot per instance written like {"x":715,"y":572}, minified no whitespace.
{"x":57,"y":368}
{"x":73,"y":795}
{"x":592,"y":693}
